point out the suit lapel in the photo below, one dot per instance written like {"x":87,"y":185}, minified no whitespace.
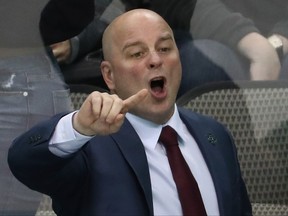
{"x":207,"y":142}
{"x":134,"y":152}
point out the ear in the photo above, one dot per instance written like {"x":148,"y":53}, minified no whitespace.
{"x":107,"y":74}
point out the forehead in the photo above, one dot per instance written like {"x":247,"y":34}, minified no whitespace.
{"x":142,"y":28}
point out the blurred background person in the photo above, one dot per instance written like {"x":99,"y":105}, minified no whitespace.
{"x":271,"y":20}
{"x":203,"y":60}
{"x":247,"y":26}
{"x":31,"y":90}
{"x":193,"y":22}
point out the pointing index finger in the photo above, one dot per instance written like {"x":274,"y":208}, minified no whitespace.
{"x":133,"y":100}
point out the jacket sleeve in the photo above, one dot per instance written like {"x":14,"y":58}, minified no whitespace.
{"x":90,"y":39}
{"x":281,"y":27}
{"x":176,"y":13}
{"x":34,"y":165}
{"x":213,"y":20}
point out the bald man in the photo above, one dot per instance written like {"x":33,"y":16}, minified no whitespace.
{"x":105,"y":159}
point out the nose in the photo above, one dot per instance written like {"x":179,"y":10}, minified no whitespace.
{"x":155,"y":60}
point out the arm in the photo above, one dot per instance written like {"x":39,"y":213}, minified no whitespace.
{"x":87,"y":40}
{"x":34,"y":165}
{"x":213,"y":20}
{"x":32,"y":162}
{"x":264,"y":61}
{"x":281,"y":28}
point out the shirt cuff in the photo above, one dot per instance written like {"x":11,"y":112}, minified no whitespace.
{"x":65,"y":139}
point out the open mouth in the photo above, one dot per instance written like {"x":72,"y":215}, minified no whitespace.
{"x":157,"y":84}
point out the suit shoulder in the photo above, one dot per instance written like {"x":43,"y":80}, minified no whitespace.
{"x":194,"y":116}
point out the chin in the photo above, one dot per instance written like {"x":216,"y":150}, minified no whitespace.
{"x":158,"y":114}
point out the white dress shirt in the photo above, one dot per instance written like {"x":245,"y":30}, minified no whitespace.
{"x":66,"y":140}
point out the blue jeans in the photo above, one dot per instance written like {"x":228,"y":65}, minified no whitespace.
{"x":31,"y":90}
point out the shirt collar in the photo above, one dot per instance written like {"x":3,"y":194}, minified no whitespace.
{"x":149,"y":132}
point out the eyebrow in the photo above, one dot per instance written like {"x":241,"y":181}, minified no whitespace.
{"x":126,"y":46}
{"x":165,"y":37}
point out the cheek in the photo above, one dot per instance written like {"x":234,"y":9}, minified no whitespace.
{"x":176,"y":66}
{"x":128,"y":77}
{"x":133,"y":71}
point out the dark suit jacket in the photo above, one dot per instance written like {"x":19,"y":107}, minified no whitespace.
{"x":110,"y":175}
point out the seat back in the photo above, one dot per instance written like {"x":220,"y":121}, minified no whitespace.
{"x":256,"y":113}
{"x":79,"y":92}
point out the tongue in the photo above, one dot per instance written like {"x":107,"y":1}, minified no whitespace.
{"x":157,"y":89}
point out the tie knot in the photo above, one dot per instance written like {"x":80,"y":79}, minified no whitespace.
{"x":168,"y":136}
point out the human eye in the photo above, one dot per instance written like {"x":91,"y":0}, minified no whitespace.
{"x":164,"y":49}
{"x":138,"y":54}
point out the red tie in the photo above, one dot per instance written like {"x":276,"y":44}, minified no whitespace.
{"x":188,"y":191}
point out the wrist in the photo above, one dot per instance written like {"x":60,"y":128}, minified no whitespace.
{"x":74,"y":49}
{"x":256,"y":48}
{"x":285,"y":44}
{"x":79,"y":130}
{"x":277,"y":43}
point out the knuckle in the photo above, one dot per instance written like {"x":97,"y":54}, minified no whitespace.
{"x":95,"y":94}
{"x":119,"y":102}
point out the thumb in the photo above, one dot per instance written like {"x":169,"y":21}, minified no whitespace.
{"x":133,"y":100}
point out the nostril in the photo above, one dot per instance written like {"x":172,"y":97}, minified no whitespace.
{"x":152,"y":65}
{"x":155,"y":60}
